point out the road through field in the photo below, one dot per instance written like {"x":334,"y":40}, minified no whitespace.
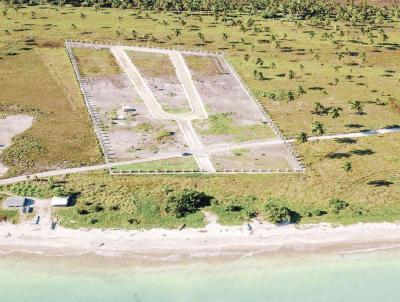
{"x":173,"y":155}
{"x":185,"y":76}
{"x":196,"y":146}
{"x":11,"y":180}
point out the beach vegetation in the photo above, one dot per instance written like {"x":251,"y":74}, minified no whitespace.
{"x":186,"y":202}
{"x":275,"y":213}
{"x":235,"y":209}
{"x":337,"y":205}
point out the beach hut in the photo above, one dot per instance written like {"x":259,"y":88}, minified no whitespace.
{"x":59,"y":201}
{"x":128,"y":108}
{"x":16,"y":202}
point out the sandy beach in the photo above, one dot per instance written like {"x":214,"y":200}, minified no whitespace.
{"x":213,"y":240}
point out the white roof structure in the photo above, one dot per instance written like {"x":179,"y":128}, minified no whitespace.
{"x":15,"y":202}
{"x":128,"y":108}
{"x":59,"y":201}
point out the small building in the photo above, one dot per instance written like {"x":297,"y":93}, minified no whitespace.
{"x":59,"y":201}
{"x":16,"y":202}
{"x":128,"y":108}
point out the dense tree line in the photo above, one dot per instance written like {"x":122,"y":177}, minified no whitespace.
{"x":301,"y":9}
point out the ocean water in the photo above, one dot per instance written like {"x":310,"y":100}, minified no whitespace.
{"x":335,"y":277}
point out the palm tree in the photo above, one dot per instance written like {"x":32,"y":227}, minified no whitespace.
{"x":259,"y":61}
{"x":363,"y":58}
{"x":300,"y":90}
{"x":134,"y":34}
{"x":178,"y":32}
{"x":319,"y":108}
{"x":335,"y":112}
{"x":291,"y":74}
{"x":83,"y":16}
{"x":302,"y":137}
{"x":336,"y":81}
{"x":73,"y":26}
{"x":225,"y":36}
{"x":347,"y":167}
{"x":357,"y":106}
{"x":201,"y":38}
{"x":318,"y":128}
{"x":246,"y":57}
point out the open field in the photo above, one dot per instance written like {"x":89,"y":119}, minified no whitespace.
{"x":35,"y":82}
{"x":297,"y":64}
{"x":288,"y":45}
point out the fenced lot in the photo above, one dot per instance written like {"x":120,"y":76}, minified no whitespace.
{"x":189,"y":107}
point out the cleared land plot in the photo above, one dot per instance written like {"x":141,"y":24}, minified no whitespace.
{"x":233,"y":114}
{"x":265,"y":158}
{"x":159,"y":73}
{"x":131,"y":132}
{"x":172,"y":164}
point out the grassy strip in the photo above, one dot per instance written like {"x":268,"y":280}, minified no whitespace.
{"x":153,"y":65}
{"x":203,"y":65}
{"x":96,"y":62}
{"x":171,"y":164}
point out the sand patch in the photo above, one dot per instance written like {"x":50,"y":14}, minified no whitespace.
{"x":10,"y":127}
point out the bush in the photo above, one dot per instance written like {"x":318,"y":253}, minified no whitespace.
{"x":315,"y":213}
{"x":11,"y":216}
{"x":275,"y":213}
{"x":232,"y":206}
{"x":186,"y":202}
{"x":163,"y":135}
{"x":337,"y":205}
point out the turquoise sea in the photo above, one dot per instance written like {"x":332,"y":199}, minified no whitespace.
{"x":372,"y":276}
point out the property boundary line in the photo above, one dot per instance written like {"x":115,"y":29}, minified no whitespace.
{"x":101,"y":135}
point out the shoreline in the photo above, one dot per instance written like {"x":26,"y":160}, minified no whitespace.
{"x":212,"y":242}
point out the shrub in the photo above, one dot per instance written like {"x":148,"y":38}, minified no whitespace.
{"x":186,"y":202}
{"x":232,"y":206}
{"x":337,"y":205}
{"x":275,"y":213}
{"x":315,"y":213}
{"x":163,"y":135}
{"x":11,"y":216}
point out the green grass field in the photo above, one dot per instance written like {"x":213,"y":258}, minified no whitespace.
{"x":179,"y":164}
{"x":99,"y":62}
{"x":297,"y":64}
